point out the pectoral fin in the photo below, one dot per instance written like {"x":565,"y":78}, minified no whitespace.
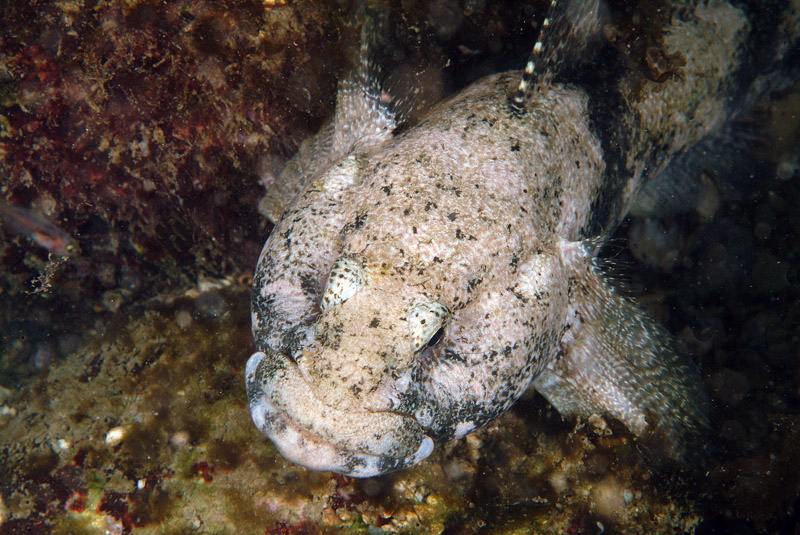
{"x":617,"y":361}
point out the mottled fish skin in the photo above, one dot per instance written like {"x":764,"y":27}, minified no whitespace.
{"x":419,"y":283}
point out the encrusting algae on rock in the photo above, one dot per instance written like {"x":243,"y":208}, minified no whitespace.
{"x":144,"y":125}
{"x":114,"y":438}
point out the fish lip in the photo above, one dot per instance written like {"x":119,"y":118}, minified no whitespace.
{"x":307,"y":448}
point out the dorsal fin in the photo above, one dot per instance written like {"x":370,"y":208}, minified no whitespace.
{"x":568,"y":27}
{"x":365,"y":117}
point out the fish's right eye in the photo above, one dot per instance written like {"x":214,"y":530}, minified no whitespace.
{"x":346,"y":278}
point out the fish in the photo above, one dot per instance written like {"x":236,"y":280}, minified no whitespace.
{"x":44,"y":233}
{"x":421,"y":278}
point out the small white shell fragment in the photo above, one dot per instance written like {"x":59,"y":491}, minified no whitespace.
{"x":180,"y":438}
{"x":6,"y":415}
{"x":183,"y":318}
{"x":116,"y":435}
{"x":63,"y":444}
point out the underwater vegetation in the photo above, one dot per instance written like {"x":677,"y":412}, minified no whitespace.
{"x":138,"y":127}
{"x":146,"y":131}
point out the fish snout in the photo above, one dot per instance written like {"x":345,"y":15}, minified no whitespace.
{"x":354,"y":442}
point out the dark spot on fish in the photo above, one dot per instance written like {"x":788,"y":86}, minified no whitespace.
{"x":437,"y":337}
{"x":331,"y":337}
{"x":473,"y":283}
{"x":452,"y":356}
{"x":308,"y":284}
{"x":461,"y":236}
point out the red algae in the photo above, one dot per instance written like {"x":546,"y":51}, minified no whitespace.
{"x":76,"y":502}
{"x":301,"y":528}
{"x":204,"y":470}
{"x":141,"y":123}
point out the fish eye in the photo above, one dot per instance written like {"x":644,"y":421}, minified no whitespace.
{"x":346,"y":278}
{"x":426,"y":321}
{"x":437,"y":337}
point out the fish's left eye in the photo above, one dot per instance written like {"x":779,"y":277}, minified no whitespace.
{"x":437,"y":337}
{"x":426,"y":322}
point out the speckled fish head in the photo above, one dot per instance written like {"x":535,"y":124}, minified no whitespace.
{"x":328,"y":405}
{"x":408,"y":320}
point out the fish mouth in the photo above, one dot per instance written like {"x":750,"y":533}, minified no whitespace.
{"x":357,"y":443}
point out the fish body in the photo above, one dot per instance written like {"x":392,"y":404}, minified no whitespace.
{"x":417,"y":284}
{"x":27,"y":222}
